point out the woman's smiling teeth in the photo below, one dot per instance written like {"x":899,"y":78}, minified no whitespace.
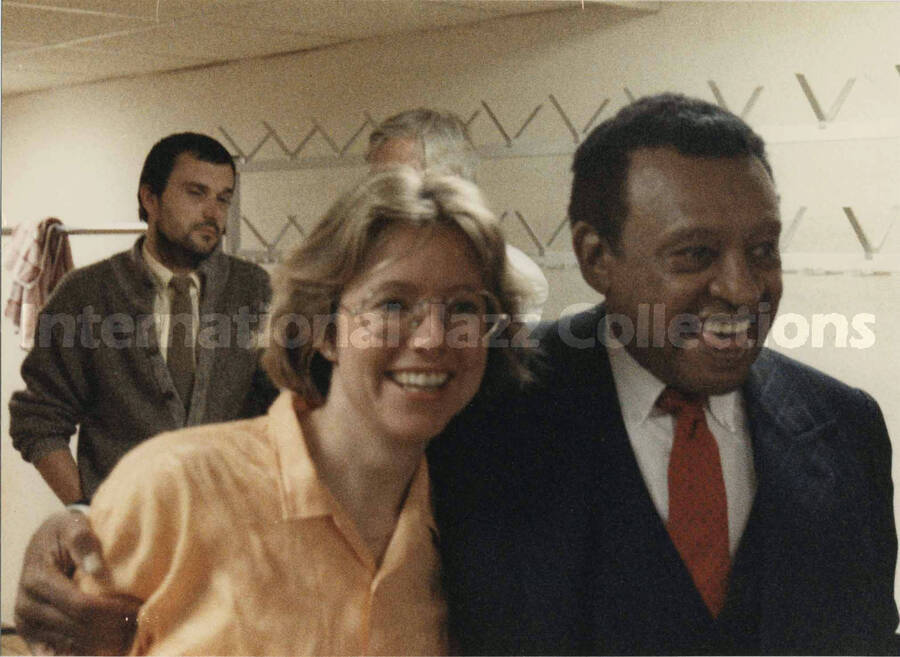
{"x":419,"y":380}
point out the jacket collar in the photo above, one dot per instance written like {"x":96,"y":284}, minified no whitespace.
{"x":138,"y":278}
{"x":790,"y":452}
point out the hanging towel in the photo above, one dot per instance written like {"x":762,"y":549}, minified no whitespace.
{"x":38,"y":256}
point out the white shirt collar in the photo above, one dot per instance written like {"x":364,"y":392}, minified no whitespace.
{"x":638,"y":389}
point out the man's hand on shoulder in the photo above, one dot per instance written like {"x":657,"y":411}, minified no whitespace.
{"x":52,"y":613}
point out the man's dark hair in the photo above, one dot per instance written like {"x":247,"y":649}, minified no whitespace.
{"x":161,"y":160}
{"x":693,"y":127}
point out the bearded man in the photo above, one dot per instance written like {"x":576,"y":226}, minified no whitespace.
{"x":151,"y":339}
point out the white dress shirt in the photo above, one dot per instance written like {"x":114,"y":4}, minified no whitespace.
{"x":162,"y":301}
{"x":651,"y":432}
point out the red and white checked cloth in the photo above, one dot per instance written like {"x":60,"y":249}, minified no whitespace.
{"x":38,"y":255}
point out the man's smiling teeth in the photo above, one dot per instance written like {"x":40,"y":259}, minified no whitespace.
{"x":723,"y":327}
{"x":420,"y":379}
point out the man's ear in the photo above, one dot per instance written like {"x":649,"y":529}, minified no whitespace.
{"x":593,"y":252}
{"x":149,"y":200}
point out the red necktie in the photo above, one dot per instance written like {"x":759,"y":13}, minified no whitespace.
{"x":698,"y":512}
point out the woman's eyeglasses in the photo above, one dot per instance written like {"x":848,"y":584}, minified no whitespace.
{"x":394,"y":317}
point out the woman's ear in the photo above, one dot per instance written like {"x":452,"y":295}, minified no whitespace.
{"x":327,"y":347}
{"x":328,"y":352}
{"x":594,"y":255}
{"x":327,"y":341}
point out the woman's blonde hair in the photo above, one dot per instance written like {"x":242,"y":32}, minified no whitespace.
{"x":308,"y":285}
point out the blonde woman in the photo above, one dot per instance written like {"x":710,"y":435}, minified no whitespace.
{"x":309,"y":530}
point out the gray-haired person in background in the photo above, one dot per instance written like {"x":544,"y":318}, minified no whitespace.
{"x":432,"y":139}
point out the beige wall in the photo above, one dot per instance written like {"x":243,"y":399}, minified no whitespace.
{"x":76,"y":152}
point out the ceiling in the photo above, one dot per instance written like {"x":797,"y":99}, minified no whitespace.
{"x":52,"y":43}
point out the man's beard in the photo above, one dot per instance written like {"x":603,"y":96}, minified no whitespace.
{"x":181,"y":254}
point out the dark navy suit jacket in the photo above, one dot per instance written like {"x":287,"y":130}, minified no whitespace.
{"x":551,"y":543}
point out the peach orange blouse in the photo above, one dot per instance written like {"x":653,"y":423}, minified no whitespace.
{"x":238,"y":548}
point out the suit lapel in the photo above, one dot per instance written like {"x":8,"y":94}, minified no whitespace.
{"x":791,"y":456}
{"x":796,"y":476}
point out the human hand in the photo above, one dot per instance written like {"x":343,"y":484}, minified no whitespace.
{"x":53,"y":615}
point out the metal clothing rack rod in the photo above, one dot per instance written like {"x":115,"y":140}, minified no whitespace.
{"x":133,"y":228}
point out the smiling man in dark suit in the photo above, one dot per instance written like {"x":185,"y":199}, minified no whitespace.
{"x":671,"y":486}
